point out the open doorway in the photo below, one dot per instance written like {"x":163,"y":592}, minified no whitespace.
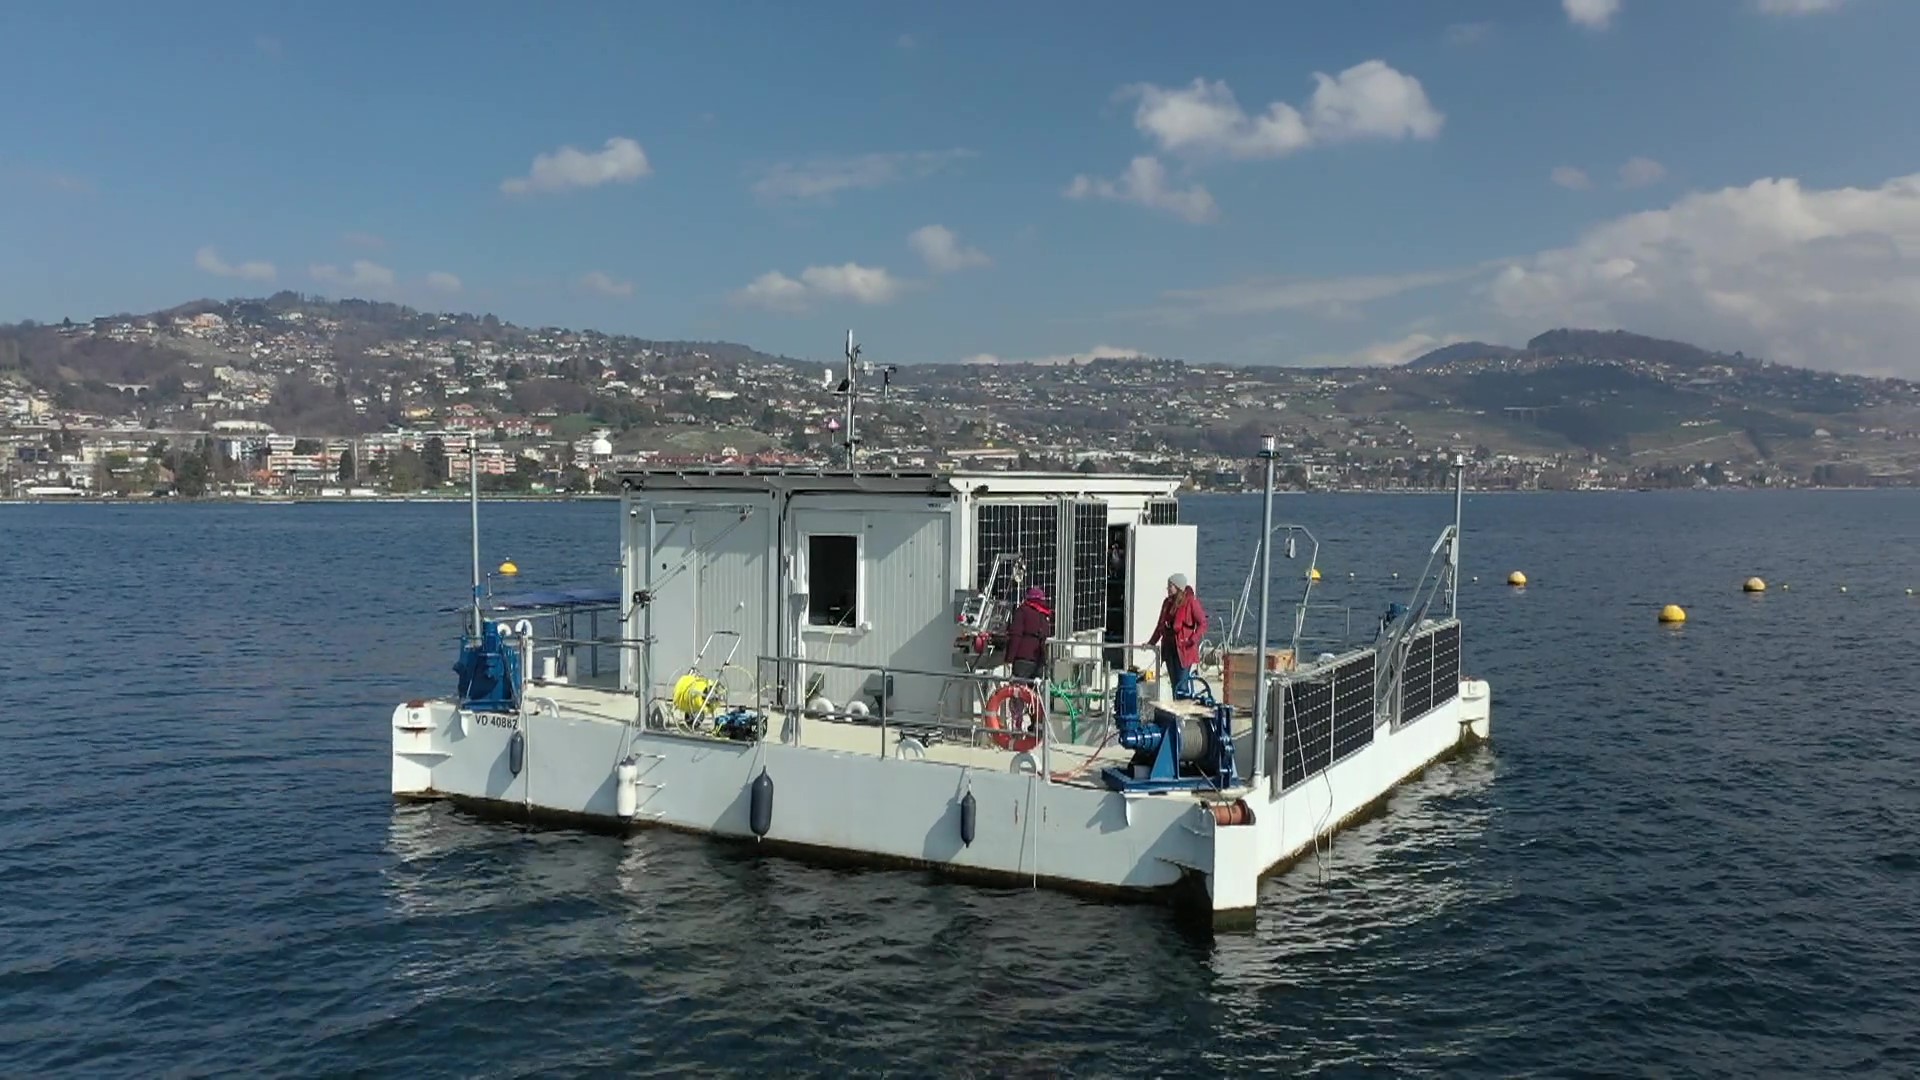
{"x":1117,"y":608}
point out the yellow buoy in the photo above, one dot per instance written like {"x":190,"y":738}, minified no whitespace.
{"x":1313,"y":574}
{"x":507,"y":569}
{"x":1516,"y":579}
{"x":1673,"y":613}
{"x":1755,"y":584}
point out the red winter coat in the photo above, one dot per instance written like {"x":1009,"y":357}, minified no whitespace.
{"x":1028,"y":632}
{"x":1182,"y":621}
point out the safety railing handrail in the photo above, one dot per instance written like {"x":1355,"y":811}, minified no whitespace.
{"x":777,"y":696}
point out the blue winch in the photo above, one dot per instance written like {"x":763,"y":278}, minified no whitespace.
{"x":741,"y":724}
{"x":489,"y":671}
{"x":1177,"y":750}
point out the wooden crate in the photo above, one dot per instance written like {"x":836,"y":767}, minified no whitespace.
{"x":1237,"y":673}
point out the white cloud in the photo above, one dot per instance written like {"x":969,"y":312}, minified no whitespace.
{"x":1387,"y":353}
{"x":1097,"y":352}
{"x":1205,"y":119}
{"x":1369,"y":100}
{"x":943,"y":251}
{"x":1571,"y":178}
{"x":599,"y":281}
{"x":361,"y":274}
{"x":209,"y":260}
{"x":442,"y":282}
{"x":1640,"y":172}
{"x":821,"y":178}
{"x":1332,"y":297}
{"x":621,"y":161}
{"x":776,"y":291}
{"x":1145,"y":182}
{"x":1797,"y":7}
{"x":1592,"y":14}
{"x":1828,"y":278}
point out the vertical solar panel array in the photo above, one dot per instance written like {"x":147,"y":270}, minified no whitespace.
{"x":1431,"y":677}
{"x":1163,"y":512}
{"x":1353,"y":712}
{"x":1029,"y":529}
{"x":1326,"y":719}
{"x":1089,"y":565}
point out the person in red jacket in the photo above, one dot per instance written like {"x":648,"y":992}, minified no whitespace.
{"x":1028,"y":633}
{"x":1182,"y":623}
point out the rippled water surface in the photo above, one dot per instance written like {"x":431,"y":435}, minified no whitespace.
{"x":1689,"y":852}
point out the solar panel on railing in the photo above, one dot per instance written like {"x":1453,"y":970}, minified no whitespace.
{"x":1353,"y":706}
{"x":1308,"y":744}
{"x":1446,"y":664}
{"x":1416,"y":680}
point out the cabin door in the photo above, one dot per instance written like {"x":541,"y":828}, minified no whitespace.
{"x":672,"y":574}
{"x":1156,"y":552}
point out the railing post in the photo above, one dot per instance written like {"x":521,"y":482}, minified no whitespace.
{"x":1046,"y":738}
{"x":1260,"y":681}
{"x":883,"y":712}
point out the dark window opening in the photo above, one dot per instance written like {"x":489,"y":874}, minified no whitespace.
{"x":833,"y":580}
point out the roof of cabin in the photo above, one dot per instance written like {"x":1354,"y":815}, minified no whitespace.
{"x":883,"y":481}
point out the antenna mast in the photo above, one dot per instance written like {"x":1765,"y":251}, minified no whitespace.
{"x":850,"y":386}
{"x":850,"y":389}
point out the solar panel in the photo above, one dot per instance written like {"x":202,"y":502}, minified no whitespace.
{"x":1089,"y":564}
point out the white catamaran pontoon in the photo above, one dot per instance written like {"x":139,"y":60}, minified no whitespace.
{"x":811,"y":660}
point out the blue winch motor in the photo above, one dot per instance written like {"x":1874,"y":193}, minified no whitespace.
{"x":1174,"y":751}
{"x":489,"y":671}
{"x":741,"y":724}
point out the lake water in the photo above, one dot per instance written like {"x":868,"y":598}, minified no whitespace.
{"x":1689,"y":851}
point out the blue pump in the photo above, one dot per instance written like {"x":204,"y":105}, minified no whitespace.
{"x":489,"y":671}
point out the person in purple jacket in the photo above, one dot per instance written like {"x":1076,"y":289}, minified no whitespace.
{"x":1028,"y":633}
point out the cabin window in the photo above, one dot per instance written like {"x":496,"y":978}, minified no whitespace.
{"x":833,"y":580}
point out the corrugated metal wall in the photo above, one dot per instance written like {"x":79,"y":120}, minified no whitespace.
{"x":734,"y":587}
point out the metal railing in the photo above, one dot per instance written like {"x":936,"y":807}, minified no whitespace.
{"x":909,"y":703}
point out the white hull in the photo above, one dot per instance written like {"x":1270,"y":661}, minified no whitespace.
{"x":844,"y":790}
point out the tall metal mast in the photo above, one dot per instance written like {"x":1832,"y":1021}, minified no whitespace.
{"x":473,"y":492}
{"x":1267,"y":452}
{"x":1459,"y":499}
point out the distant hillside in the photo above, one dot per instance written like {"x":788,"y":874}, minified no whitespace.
{"x":1621,"y":345}
{"x":1626,"y":396}
{"x":311,"y":365}
{"x":1465,"y":350}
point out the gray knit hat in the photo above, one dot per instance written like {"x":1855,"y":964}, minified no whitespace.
{"x":1178,"y":581}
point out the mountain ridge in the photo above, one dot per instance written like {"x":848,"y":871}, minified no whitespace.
{"x":354,"y":366}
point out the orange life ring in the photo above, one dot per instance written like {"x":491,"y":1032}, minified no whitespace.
{"x":999,"y":721}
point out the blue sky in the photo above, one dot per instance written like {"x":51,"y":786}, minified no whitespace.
{"x":1252,"y":183}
